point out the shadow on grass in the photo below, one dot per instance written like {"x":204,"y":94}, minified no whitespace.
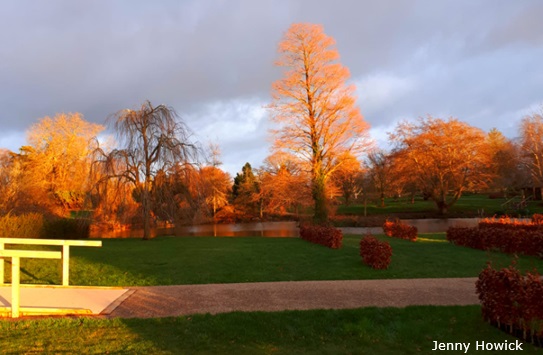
{"x":370,"y":330}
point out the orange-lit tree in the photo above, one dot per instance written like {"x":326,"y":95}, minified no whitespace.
{"x":56,"y":164}
{"x":348,"y":177}
{"x":531,"y":146}
{"x":509,"y":173}
{"x":381,"y":171}
{"x":152,"y":139}
{"x":442,"y":157}
{"x":283,"y":184}
{"x":314,"y":107}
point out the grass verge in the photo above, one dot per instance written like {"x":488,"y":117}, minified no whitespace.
{"x":410,"y":330}
{"x":203,"y":260}
{"x":469,"y":205}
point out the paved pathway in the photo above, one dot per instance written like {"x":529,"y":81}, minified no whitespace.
{"x":165,"y":301}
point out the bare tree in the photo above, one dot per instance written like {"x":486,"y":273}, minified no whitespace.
{"x":152,"y":140}
{"x":531,"y":146}
{"x":315,"y":107}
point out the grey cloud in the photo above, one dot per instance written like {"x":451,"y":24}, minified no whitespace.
{"x":474,"y":60}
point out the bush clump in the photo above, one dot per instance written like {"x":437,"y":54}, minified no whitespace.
{"x":328,"y":236}
{"x":375,"y":253}
{"x":66,"y":228}
{"x":397,"y":229}
{"x":512,"y":301}
{"x":505,"y":239}
{"x":27,"y":225}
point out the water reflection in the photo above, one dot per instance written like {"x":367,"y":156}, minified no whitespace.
{"x":441,"y":225}
{"x":259,"y":229}
{"x":423,"y":225}
{"x":279,"y":229}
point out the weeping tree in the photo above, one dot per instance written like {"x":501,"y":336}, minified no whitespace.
{"x":152,"y":140}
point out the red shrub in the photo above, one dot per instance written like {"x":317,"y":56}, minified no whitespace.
{"x":400,"y":230}
{"x":511,"y":300}
{"x":507,"y":240}
{"x":537,"y":219}
{"x":328,"y":236}
{"x":375,"y":253}
{"x":512,"y":223}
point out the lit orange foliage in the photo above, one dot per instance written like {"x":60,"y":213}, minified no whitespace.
{"x":531,"y":145}
{"x":443,"y":158}
{"x":284,"y":185}
{"x":347,"y":178}
{"x":315,"y":108}
{"x":51,"y":175}
{"x":506,"y":168}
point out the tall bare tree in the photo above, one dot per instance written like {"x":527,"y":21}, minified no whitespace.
{"x":316,"y":109}
{"x":152,"y":139}
{"x":531,"y":146}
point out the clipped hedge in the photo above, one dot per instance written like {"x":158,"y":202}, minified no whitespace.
{"x":506,"y":239}
{"x":328,"y":236}
{"x":375,"y":253}
{"x":512,"y":223}
{"x":400,"y":230}
{"x":513,"y":302}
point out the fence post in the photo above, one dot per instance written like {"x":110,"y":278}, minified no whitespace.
{"x":1,"y":265}
{"x":65,"y":265}
{"x":15,"y":284}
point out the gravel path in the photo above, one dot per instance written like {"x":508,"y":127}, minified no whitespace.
{"x":166,"y":301}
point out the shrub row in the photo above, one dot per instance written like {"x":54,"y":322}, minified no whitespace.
{"x":512,"y":223}
{"x":400,"y":230}
{"x":512,"y":301}
{"x":33,"y":225}
{"x":28,"y":225}
{"x":375,"y":253}
{"x":328,"y":236}
{"x":518,"y":241}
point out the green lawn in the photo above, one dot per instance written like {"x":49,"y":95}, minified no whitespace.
{"x":467,"y":205}
{"x":190,"y":260}
{"x":410,"y":330}
{"x":201,"y":260}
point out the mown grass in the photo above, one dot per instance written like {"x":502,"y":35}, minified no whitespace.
{"x":202,"y":260}
{"x":468,"y":205}
{"x":410,"y":330}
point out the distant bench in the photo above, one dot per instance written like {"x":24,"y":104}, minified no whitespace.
{"x":16,"y":256}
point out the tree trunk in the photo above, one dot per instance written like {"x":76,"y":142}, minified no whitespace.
{"x":319,"y":197}
{"x":146,"y":207}
{"x":442,"y":207}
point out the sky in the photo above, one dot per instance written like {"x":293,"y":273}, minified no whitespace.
{"x":213,"y":62}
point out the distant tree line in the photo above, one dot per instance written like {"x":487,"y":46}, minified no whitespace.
{"x":153,"y":171}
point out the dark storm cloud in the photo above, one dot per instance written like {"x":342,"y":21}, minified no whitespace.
{"x":213,"y":61}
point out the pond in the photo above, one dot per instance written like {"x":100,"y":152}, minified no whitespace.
{"x":257,"y":229}
{"x":423,"y":225}
{"x":280,"y":229}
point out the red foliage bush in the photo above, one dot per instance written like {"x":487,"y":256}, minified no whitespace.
{"x":375,"y":253}
{"x":512,"y":301}
{"x":537,"y":219}
{"x":400,"y":230}
{"x":328,"y":236}
{"x":512,"y":223}
{"x":506,"y":239}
